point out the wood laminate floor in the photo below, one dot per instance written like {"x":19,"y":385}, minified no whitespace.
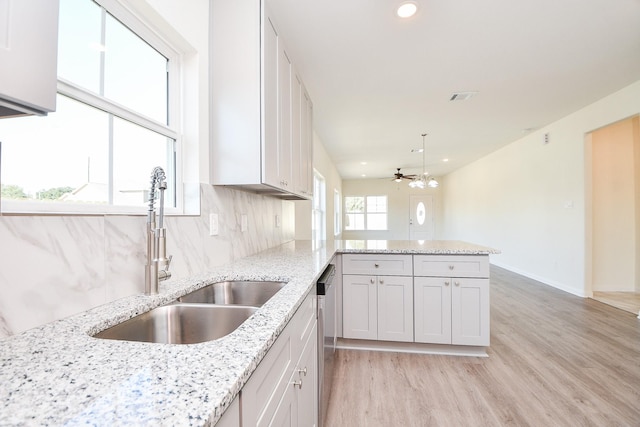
{"x":555,"y":360}
{"x":628,"y":301}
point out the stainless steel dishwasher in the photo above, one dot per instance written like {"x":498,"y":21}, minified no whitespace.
{"x":326,"y":339}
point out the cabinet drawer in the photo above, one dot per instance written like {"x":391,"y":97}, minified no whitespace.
{"x":451,"y":265}
{"x":376,"y":264}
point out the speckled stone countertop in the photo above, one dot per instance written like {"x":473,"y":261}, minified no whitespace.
{"x":57,"y":374}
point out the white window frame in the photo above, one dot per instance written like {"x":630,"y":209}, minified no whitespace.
{"x":175,"y":49}
{"x":319,"y":209}
{"x":337,"y":213}
{"x":366,"y":213}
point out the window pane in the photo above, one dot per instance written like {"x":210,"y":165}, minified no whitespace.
{"x":377,"y":204}
{"x":354,"y":221}
{"x":66,"y":151}
{"x":135,"y":73}
{"x":136,"y":151}
{"x":353,"y":204}
{"x":376,"y":221}
{"x":79,"y":43}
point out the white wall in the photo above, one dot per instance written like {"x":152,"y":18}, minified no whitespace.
{"x":528,"y":199}
{"x":398,"y":201}
{"x":324,"y":165}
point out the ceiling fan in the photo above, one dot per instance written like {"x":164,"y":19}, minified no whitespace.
{"x":398,"y":176}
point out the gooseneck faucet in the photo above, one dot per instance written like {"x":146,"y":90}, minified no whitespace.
{"x":157,"y":267}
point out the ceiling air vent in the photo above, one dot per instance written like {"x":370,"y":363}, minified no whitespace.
{"x":462,"y":96}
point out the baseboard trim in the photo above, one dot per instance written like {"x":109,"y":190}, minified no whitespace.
{"x":545,"y":281}
{"x":410,"y":347}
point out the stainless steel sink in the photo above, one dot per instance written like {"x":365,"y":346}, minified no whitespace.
{"x":242,"y":292}
{"x":180,"y":324}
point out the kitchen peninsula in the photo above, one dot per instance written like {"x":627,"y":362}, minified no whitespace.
{"x":77,"y":379}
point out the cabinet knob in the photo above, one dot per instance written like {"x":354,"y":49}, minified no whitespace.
{"x":298,"y":384}
{"x":372,"y":281}
{"x":457,"y":283}
{"x":381,"y":281}
{"x":451,"y":267}
{"x":303,"y":371}
{"x":446,"y":283}
{"x":376,"y":265}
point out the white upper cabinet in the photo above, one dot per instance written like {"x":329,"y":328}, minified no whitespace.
{"x":28,"y":54}
{"x":260,"y":111}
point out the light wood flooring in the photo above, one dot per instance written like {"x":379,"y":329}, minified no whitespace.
{"x":628,"y":301}
{"x":555,"y":360}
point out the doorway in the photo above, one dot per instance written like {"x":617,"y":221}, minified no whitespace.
{"x":615,"y":214}
{"x":421,"y":217}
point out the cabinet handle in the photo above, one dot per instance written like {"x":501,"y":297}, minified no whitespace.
{"x":297,"y":384}
{"x":457,"y":283}
{"x":446,"y":283}
{"x":376,"y":265}
{"x":451,"y":267}
{"x":303,"y":371}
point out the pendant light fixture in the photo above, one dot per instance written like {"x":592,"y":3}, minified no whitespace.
{"x":422,"y":181}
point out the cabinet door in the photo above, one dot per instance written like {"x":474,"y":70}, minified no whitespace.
{"x":28,"y":54}
{"x":307,"y":393}
{"x":306,"y":144}
{"x":270,"y":156}
{"x":284,"y":118}
{"x":277,"y":110}
{"x":432,"y":305}
{"x":296,"y":135}
{"x":395,"y":308}
{"x":285,"y":415}
{"x":470,"y":312}
{"x":360,"y":306}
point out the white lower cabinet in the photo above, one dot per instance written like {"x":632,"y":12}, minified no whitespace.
{"x":433,"y":299}
{"x":283,"y":390}
{"x":452,"y":310}
{"x":231,"y":417}
{"x":378,"y":307}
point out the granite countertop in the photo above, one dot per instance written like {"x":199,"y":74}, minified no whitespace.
{"x":57,"y":374}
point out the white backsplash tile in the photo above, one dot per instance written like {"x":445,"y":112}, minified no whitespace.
{"x":55,"y":266}
{"x":51,"y":267}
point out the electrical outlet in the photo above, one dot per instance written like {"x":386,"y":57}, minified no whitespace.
{"x":277,"y":221}
{"x":213,"y":224}
{"x":244,"y":223}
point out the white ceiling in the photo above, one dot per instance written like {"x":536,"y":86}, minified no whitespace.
{"x":379,"y":82}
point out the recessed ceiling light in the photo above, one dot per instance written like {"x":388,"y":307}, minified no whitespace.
{"x":364,"y":174}
{"x":407,"y":9}
{"x":445,"y":160}
{"x":363,"y":163}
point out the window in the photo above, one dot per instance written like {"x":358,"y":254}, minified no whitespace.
{"x":365,"y":212}
{"x":337,"y":213}
{"x":319,"y":208}
{"x":115,"y":120}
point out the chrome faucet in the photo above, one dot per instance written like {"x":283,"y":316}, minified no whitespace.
{"x":157,"y":267}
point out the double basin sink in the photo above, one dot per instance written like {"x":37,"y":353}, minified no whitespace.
{"x":206,"y":314}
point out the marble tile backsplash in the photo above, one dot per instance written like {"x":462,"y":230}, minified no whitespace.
{"x":55,"y":266}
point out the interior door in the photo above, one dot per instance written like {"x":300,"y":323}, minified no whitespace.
{"x":421,"y":217}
